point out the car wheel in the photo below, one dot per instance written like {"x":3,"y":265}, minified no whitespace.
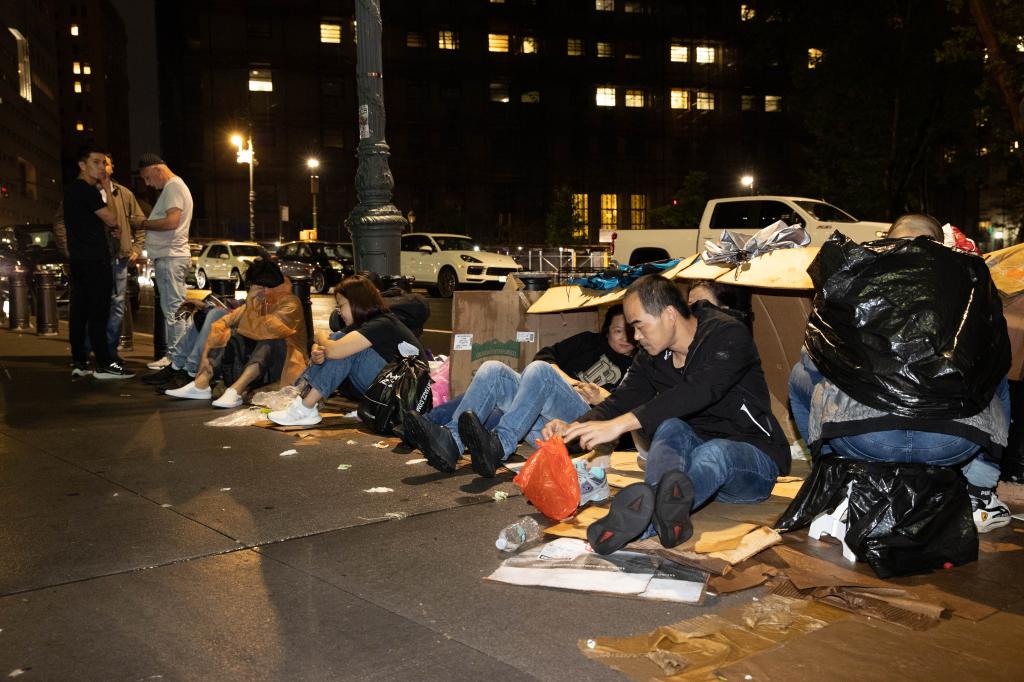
{"x":237,"y":276}
{"x":447,"y":282}
{"x":318,"y":283}
{"x":201,"y":279}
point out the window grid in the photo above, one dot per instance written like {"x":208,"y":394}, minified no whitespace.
{"x":814,"y":56}
{"x":76,"y":68}
{"x":705,"y":54}
{"x":679,"y":98}
{"x":609,"y":211}
{"x":747,"y":103}
{"x":414,"y":39}
{"x":634,"y":98}
{"x":574,"y":47}
{"x":772,"y":103}
{"x":330,"y":33}
{"x":581,"y":211}
{"x":604,"y":5}
{"x":747,"y":13}
{"x":24,"y":65}
{"x":637,"y":211}
{"x":605,"y":50}
{"x":499,"y":92}
{"x":447,"y":40}
{"x":497,"y":42}
{"x":679,"y":52}
{"x":260,"y":80}
{"x":529,"y":45}
{"x":705,"y":100}
{"x":605,"y":96}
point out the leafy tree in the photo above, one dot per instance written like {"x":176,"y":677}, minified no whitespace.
{"x":687,"y":203}
{"x":563,"y":222}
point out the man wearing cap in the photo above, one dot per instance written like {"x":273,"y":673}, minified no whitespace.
{"x":167,"y":244}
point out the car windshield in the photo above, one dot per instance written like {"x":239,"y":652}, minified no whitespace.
{"x":456,"y":243}
{"x":338,"y":251}
{"x":246,"y":250}
{"x":819,"y":210}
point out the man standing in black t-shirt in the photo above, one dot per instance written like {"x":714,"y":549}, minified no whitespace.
{"x":88,"y":221}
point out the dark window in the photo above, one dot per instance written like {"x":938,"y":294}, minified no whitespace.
{"x":772,"y":212}
{"x":413,"y":242}
{"x":288,"y":251}
{"x":734,"y":215}
{"x":216,"y":250}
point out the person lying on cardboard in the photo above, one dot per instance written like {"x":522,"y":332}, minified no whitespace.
{"x":698,"y":404}
{"x":941,"y":397}
{"x":562,"y":382}
{"x":259,"y":343}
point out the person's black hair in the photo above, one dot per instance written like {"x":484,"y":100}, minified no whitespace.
{"x":916,"y":225}
{"x":608,"y":316}
{"x":656,"y":293}
{"x":264,"y":273}
{"x":85,"y":150}
{"x":727,"y":295}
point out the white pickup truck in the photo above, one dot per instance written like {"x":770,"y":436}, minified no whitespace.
{"x":745,"y":216}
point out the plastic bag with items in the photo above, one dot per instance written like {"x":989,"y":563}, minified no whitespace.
{"x":776,"y":236}
{"x":401,"y":386}
{"x":549,"y":480}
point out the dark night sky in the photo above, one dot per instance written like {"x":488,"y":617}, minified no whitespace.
{"x":139,"y":23}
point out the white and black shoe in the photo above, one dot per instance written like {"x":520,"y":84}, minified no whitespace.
{"x":159,"y":364}
{"x":989,"y":511}
{"x":80,"y":369}
{"x":113,"y":371}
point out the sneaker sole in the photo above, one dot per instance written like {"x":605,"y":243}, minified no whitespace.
{"x":81,"y":373}
{"x":187,"y":397}
{"x":106,"y":376}
{"x":305,"y":421}
{"x":418,"y":435}
{"x":672,"y":505}
{"x":475,"y":437}
{"x":227,"y":406}
{"x":631,"y":511}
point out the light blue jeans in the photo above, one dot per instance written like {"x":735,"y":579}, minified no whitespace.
{"x":528,"y":400}
{"x":119,"y":268}
{"x":189,"y":350}
{"x":922,"y":447}
{"x":361,"y":369}
{"x":170,"y":273}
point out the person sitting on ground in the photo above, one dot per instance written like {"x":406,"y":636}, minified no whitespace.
{"x":259,"y":343}
{"x":562,"y":382}
{"x":698,"y":404}
{"x":357,"y":353}
{"x":831,"y":420}
{"x":731,"y":299}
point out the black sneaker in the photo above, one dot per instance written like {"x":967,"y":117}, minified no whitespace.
{"x":178,"y":379}
{"x":433,"y":441}
{"x":672,"y":502}
{"x":160,"y":377}
{"x":628,"y":518}
{"x":484,"y":447}
{"x":113,"y":371}
{"x":80,"y":369}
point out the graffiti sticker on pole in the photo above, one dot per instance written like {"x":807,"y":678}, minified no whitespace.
{"x":364,"y":121}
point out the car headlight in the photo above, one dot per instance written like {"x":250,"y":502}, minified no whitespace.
{"x":336,"y":264}
{"x":470,"y":259}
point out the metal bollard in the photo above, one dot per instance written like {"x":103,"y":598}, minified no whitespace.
{"x":46,"y":305}
{"x":127,"y":339}
{"x":159,"y":327}
{"x":300,"y":287}
{"x":18,"y":314}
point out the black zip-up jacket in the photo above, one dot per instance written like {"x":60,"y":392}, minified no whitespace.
{"x":720,"y":392}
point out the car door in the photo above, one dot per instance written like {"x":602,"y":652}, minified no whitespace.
{"x":411,"y":257}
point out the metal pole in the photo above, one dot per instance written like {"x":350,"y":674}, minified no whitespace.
{"x":314,"y":189}
{"x":252,"y":194}
{"x":376,"y":225}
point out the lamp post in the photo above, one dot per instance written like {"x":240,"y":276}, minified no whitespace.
{"x":314,"y":186}
{"x":246,"y":155}
{"x":376,"y":225}
{"x":748,"y":182}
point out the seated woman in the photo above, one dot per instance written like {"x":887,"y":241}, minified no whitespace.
{"x":358,"y":352}
{"x":562,"y":382}
{"x":259,"y":343}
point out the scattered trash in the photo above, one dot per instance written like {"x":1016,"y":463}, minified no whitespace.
{"x":381,"y":445}
{"x":116,"y":494}
{"x":275,"y":400}
{"x":288,"y":453}
{"x":390,"y":516}
{"x":591,"y":644}
{"x":416,"y":461}
{"x":224,"y":490}
{"x":351,"y":415}
{"x":379,"y":490}
{"x":246,"y":417}
{"x":518,"y":534}
{"x":225,"y":447}
{"x":18,"y":671}
{"x":126,"y":395}
{"x":170,"y":461}
{"x":748,"y":677}
{"x":166,"y":506}
{"x":500,"y":495}
{"x":344,"y":467}
{"x":350,"y":442}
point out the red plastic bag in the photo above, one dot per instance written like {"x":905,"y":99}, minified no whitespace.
{"x":549,"y":480}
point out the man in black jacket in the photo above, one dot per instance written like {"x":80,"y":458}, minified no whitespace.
{"x":696,"y":394}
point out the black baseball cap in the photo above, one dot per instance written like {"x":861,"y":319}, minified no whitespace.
{"x":150,"y":159}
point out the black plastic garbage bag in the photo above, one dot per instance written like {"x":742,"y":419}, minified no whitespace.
{"x":904,"y":519}
{"x":401,"y":386}
{"x":908,"y":327}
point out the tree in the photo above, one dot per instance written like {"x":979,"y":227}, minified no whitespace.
{"x":565,"y":224}
{"x":687,"y":203}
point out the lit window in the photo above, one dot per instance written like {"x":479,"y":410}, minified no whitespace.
{"x":813,"y":57}
{"x":447,"y":40}
{"x":604,"y":5}
{"x":86,"y":69}
{"x":24,"y":65}
{"x":633,"y":51}
{"x":499,"y":92}
{"x":76,"y":68}
{"x":772,"y":103}
{"x":747,"y":103}
{"x":605,"y":97}
{"x":705,"y":54}
{"x":1020,"y":43}
{"x":497,"y":42}
{"x":633,"y":7}
{"x":581,"y":213}
{"x":747,"y":13}
{"x":529,"y":45}
{"x":80,"y":127}
{"x":497,"y":2}
{"x":609,"y":211}
{"x":705,"y":100}
{"x":983,"y":151}
{"x":78,"y":86}
{"x":74,"y":29}
{"x":260,"y":80}
{"x":634,"y":98}
{"x":414,"y":39}
{"x":330,"y":33}
{"x":574,"y":47}
{"x":679,"y":98}
{"x":637,"y":211}
{"x":605,"y":50}
{"x":530,"y":97}
{"x":679,"y":52}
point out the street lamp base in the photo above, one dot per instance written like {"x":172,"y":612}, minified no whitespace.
{"x":376,"y":238}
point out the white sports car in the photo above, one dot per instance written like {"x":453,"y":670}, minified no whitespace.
{"x":443,"y":262}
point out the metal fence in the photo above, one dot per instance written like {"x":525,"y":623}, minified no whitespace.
{"x":561,"y":262}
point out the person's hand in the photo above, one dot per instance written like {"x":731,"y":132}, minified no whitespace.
{"x":132,"y":258}
{"x":555,"y":427}
{"x":189,"y":307}
{"x":591,"y":393}
{"x":115,"y":232}
{"x":591,"y":434}
{"x":107,"y":185}
{"x":318,"y":354}
{"x":321,"y":338}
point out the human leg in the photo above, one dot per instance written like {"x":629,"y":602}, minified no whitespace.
{"x":802,"y":380}
{"x":494,"y":386}
{"x":543,"y":395}
{"x":100,"y":282}
{"x":78,"y":313}
{"x":667,"y":449}
{"x":898,"y":446}
{"x":730,"y":471}
{"x":119,"y":272}
{"x":170,"y":274}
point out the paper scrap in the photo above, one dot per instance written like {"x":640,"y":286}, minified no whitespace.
{"x":524,"y":337}
{"x":381,"y":445}
{"x":225,"y":447}
{"x":351,"y":415}
{"x":462,"y":342}
{"x":116,"y":494}
{"x":344,"y":467}
{"x":350,"y":442}
{"x":126,"y":395}
{"x":166,"y":506}
{"x":397,"y":516}
{"x":500,"y":495}
{"x":416,"y":461}
{"x":224,"y":490}
{"x":379,"y":490}
{"x":17,"y":672}
{"x":288,"y":453}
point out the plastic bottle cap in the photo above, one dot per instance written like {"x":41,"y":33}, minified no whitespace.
{"x":501,"y":543}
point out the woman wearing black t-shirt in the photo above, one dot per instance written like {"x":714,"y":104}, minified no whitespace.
{"x":358,"y":352}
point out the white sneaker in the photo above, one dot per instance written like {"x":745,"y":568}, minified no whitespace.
{"x":229,"y":399}
{"x":189,"y":390}
{"x":159,"y":364}
{"x":989,"y":511}
{"x":296,"y":414}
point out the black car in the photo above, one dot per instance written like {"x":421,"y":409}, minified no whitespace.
{"x":331,"y":261}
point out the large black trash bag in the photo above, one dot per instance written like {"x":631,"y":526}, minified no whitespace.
{"x":904,"y":519}
{"x":401,"y":386}
{"x":908,"y":327}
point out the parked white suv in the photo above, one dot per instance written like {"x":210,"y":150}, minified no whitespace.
{"x":226,"y":260}
{"x":443,"y":262}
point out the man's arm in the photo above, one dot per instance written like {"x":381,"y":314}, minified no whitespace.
{"x":135,"y":218}
{"x":60,"y":231}
{"x":167,"y":224}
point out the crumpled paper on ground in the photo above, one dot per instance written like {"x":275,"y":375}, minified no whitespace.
{"x":275,"y":400}
{"x":246,"y":417}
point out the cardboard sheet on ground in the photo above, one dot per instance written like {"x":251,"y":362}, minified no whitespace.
{"x":781,"y":269}
{"x":566,"y":564}
{"x":1007,"y":269}
{"x":575,"y":297}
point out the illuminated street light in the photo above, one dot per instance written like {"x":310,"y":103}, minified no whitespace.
{"x":247,"y":156}
{"x":748,"y":182}
{"x":313,"y":164}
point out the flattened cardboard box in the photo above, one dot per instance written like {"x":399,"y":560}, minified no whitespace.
{"x":494,"y":325}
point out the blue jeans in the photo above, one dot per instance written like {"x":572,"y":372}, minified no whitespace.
{"x":729,"y":470}
{"x":169,"y":274}
{"x":922,"y":447}
{"x":442,"y":414}
{"x":117,"y":296}
{"x":528,"y":400}
{"x":189,"y":350}
{"x":361,"y":369}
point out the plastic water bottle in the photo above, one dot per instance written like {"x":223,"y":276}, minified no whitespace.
{"x":518,"y":534}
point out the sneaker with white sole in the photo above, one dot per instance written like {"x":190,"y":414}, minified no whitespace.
{"x":159,"y":364}
{"x":228,"y":399}
{"x":989,"y":511}
{"x":190,"y":391}
{"x":593,"y":483}
{"x":81,"y":369}
{"x":296,"y":414}
{"x":113,"y":371}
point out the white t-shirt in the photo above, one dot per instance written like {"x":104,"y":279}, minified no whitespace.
{"x":164,"y":243}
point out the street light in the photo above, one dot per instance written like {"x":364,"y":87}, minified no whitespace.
{"x":748,"y":182}
{"x":314,"y":185}
{"x":246,"y":155}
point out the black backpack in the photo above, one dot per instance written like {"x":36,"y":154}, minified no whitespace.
{"x":401,"y":386}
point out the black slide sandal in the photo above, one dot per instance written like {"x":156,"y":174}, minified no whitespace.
{"x":630,"y":514}
{"x":672,"y":504}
